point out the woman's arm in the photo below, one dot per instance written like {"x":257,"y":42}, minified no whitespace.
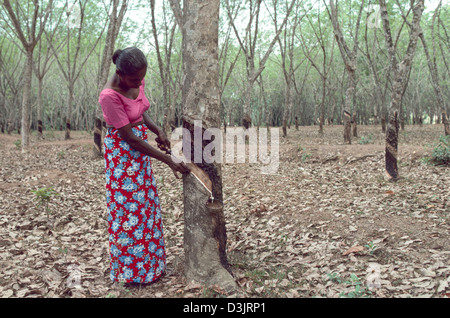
{"x":162,"y":138}
{"x":151,"y":125}
{"x":140,"y":145}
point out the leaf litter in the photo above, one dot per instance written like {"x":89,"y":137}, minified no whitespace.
{"x":327,"y":224}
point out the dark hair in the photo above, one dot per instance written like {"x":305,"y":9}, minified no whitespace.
{"x":130,"y":60}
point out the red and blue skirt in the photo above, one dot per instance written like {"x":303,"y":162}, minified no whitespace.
{"x":136,"y":240}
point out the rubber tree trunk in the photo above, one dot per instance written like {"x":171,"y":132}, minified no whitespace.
{"x":347,"y":127}
{"x":39,"y":109}
{"x":446,"y":123}
{"x":246,"y":117}
{"x":98,"y":137}
{"x":115,"y":22}
{"x":355,"y":126}
{"x":399,"y":83}
{"x":26,"y":107}
{"x":204,"y":232}
{"x":287,"y":108}
{"x":69,"y":111}
{"x":435,"y":81}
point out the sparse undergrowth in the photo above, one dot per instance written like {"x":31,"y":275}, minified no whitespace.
{"x":327,"y":224}
{"x":441,"y":151}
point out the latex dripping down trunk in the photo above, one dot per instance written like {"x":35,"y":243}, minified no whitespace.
{"x":205,"y":235}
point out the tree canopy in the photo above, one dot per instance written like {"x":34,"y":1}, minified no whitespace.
{"x":304,"y":58}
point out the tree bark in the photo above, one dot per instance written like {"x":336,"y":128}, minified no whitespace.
{"x":39,"y":109}
{"x":204,"y":233}
{"x":446,"y":123}
{"x":286,"y":43}
{"x":287,"y":108}
{"x":73,"y":69}
{"x":69,"y":110}
{"x":347,"y":127}
{"x":26,"y":107}
{"x":115,"y":22}
{"x":324,"y":72}
{"x":431,"y":60}
{"x":248,"y":47}
{"x":400,"y":72}
{"x":355,"y":126}
{"x":349,"y":57}
{"x":29,"y":35}
{"x":42,"y":63}
{"x":164,"y":71}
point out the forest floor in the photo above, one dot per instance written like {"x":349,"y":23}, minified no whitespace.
{"x":327,"y":224}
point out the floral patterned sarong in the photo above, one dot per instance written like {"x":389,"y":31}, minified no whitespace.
{"x":136,"y":241}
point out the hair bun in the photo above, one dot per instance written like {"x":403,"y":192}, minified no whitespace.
{"x":129,"y":60}
{"x":116,"y":55}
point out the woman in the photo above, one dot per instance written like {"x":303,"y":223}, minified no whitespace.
{"x":135,"y":228}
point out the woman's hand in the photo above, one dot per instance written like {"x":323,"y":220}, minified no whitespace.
{"x":178,"y":167}
{"x":163,"y":141}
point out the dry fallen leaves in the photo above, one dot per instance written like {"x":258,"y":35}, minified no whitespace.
{"x":287,"y":233}
{"x":354,"y":249}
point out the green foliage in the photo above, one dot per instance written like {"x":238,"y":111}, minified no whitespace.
{"x":43,"y":197}
{"x":308,"y":47}
{"x":371,"y":247}
{"x":305,"y":157}
{"x":441,"y":151}
{"x":335,"y":278}
{"x":359,"y":292}
{"x":366,"y":140}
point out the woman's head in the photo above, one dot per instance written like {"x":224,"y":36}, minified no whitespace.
{"x":131,"y":65}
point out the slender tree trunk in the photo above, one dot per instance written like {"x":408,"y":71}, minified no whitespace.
{"x":26,"y":107}
{"x":400,"y":72}
{"x":248,"y":47}
{"x":28,"y":35}
{"x":347,"y":111}
{"x":347,"y":127}
{"x":446,"y":123}
{"x":322,"y":103}
{"x":205,"y":233}
{"x":435,"y":80}
{"x":355,"y":126}
{"x":246,"y":118}
{"x":115,"y":21}
{"x":39,"y":108}
{"x":347,"y":108}
{"x":287,"y":108}
{"x":69,"y":111}
{"x":349,"y":57}
{"x":163,"y":74}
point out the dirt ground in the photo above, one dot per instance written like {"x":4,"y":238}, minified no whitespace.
{"x":326,"y":224}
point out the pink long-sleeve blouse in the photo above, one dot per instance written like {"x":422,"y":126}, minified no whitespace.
{"x":119,"y":110}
